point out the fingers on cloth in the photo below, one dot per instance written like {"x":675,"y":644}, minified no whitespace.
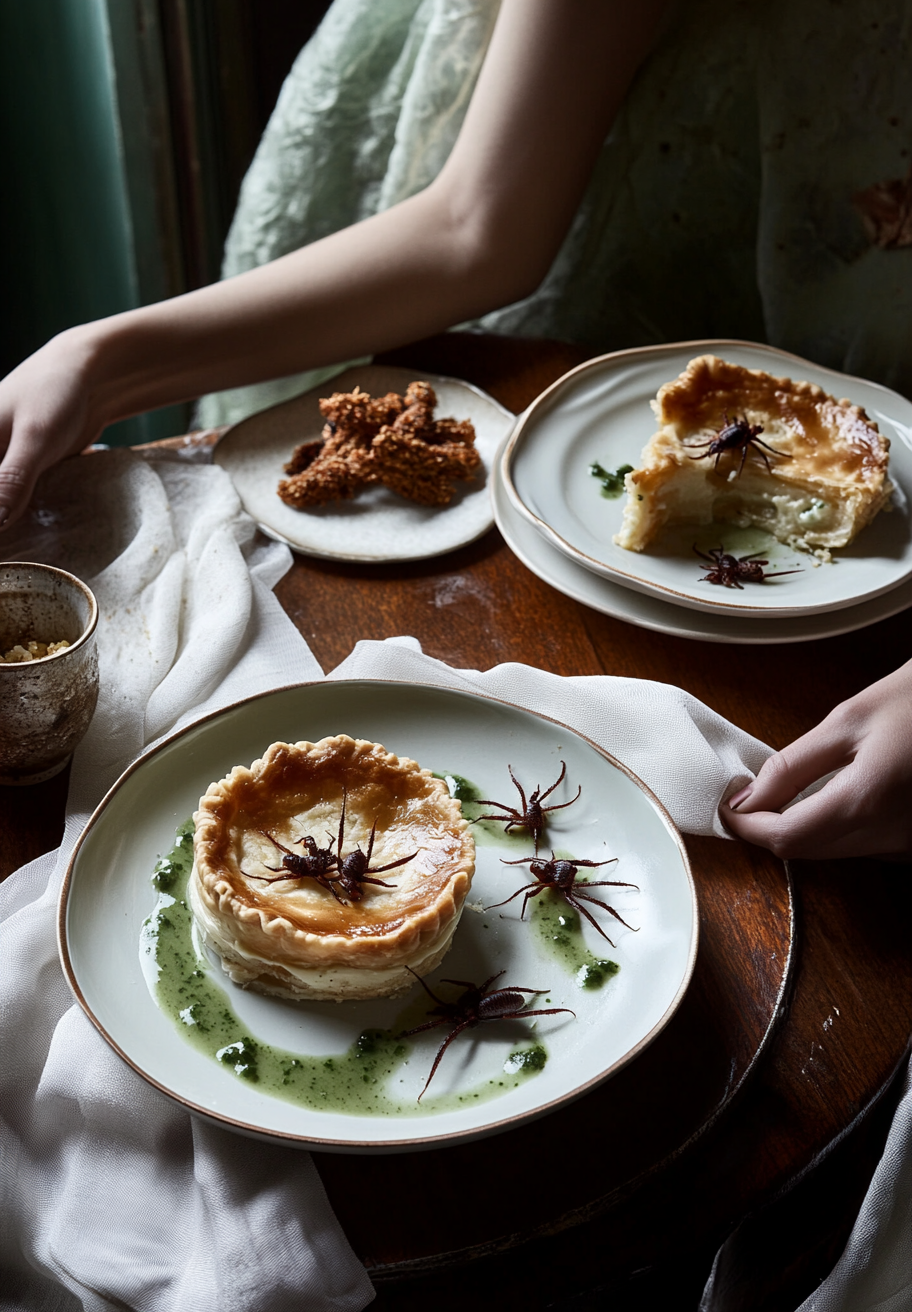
{"x":787,"y":773}
{"x":837,"y":821}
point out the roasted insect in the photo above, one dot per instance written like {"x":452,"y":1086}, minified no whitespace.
{"x":355,"y":869}
{"x":343,"y":876}
{"x":474,"y":1005}
{"x":532,"y":815}
{"x":728,"y":570}
{"x":314,"y":864}
{"x":561,"y":876}
{"x":736,"y":435}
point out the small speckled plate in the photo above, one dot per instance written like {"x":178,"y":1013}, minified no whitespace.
{"x":376,"y":525}
{"x":600,"y":413}
{"x":108,"y":894}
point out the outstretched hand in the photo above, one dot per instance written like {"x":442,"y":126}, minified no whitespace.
{"x":481,"y":235}
{"x":865,"y":809}
{"x":45,"y":414}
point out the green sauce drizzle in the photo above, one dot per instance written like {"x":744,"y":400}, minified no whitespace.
{"x":353,"y":1082}
{"x":560,"y":933}
{"x":526,"y":1059}
{"x":612,"y":481}
{"x":486,"y":833}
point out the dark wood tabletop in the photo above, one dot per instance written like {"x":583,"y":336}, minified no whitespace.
{"x":764,"y":1104}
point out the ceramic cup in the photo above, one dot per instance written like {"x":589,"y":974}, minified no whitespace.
{"x":45,"y":705}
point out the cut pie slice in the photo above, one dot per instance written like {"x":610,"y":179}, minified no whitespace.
{"x":814,"y":479}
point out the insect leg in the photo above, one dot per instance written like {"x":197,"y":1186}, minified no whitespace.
{"x":589,"y":916}
{"x":440,"y":1051}
{"x":511,"y":897}
{"x":556,"y":782}
{"x":605,"y":907}
{"x":522,"y":795}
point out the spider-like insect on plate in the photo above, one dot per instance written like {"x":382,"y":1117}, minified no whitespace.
{"x":532,"y":815}
{"x":728,"y":570}
{"x":736,"y":435}
{"x":561,"y":876}
{"x":351,"y":871}
{"x":475,"y":1004}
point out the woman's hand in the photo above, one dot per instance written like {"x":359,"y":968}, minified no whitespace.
{"x":481,"y":235}
{"x":47,"y":411}
{"x":866,"y":809}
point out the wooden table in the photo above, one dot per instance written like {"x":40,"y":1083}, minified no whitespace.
{"x":766,"y":1073}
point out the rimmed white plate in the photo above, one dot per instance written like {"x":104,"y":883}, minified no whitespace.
{"x":600,"y":413}
{"x":108,"y":894}
{"x":376,"y":525}
{"x":562,"y":573}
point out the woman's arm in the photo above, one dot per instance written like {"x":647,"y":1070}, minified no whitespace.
{"x":866,"y":809}
{"x":481,"y":235}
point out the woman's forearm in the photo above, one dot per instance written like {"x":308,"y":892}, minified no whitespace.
{"x":480,"y":236}
{"x":400,"y":275}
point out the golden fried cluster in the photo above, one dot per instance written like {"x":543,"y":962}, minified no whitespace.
{"x":392,"y":439}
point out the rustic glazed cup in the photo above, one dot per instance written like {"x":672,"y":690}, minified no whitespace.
{"x":45,"y":705}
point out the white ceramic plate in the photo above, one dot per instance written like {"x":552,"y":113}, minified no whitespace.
{"x":108,"y":894}
{"x":582,"y":584}
{"x":376,"y":525}
{"x":600,"y":413}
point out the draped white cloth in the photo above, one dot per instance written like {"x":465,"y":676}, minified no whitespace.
{"x":874,"y":1273}
{"x":687,"y":754}
{"x":112,"y":1197}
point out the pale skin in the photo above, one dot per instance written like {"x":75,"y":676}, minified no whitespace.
{"x":482,"y":235}
{"x":866,"y":809}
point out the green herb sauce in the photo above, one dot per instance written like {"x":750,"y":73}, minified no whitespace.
{"x":560,"y":933}
{"x":612,"y":481}
{"x":485,"y":832}
{"x":558,"y":926}
{"x":526,"y":1059}
{"x":196,"y":998}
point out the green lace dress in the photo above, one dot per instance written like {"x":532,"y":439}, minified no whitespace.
{"x":755,"y":185}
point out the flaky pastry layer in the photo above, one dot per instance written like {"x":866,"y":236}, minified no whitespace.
{"x":292,"y":936}
{"x":827,"y":477}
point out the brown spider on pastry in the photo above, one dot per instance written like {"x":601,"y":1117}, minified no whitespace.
{"x":394,"y":440}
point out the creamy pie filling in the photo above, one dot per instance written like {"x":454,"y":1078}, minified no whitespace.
{"x":827,"y":475}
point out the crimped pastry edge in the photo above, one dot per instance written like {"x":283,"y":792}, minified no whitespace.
{"x":863,"y":498}
{"x":270,"y":935}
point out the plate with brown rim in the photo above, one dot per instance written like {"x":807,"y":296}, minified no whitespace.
{"x":600,"y":414}
{"x":109,"y":909}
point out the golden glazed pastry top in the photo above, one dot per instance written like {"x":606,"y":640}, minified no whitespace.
{"x":297,"y":790}
{"x":828,"y":440}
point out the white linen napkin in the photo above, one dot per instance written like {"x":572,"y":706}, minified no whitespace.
{"x":874,"y":1273}
{"x":112,"y":1197}
{"x":691,"y":758}
{"x":687,"y":754}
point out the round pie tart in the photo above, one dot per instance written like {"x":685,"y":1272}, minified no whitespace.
{"x":316,"y":935}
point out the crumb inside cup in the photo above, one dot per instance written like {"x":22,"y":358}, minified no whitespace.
{"x":32,"y":650}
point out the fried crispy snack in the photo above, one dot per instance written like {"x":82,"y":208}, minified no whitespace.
{"x":392,"y":439}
